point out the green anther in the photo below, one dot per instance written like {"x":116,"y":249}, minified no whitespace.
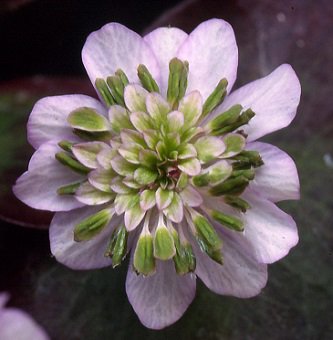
{"x":67,"y":160}
{"x":69,"y":189}
{"x":92,"y":225}
{"x":121,"y":74}
{"x":246,"y":159}
{"x":228,"y":221}
{"x":147,"y":80}
{"x":66,"y":145}
{"x":216,"y":97}
{"x":117,"y":89}
{"x":103,"y":136}
{"x":117,"y":246}
{"x":226,"y":118}
{"x":237,"y":203}
{"x":215,"y":255}
{"x":184,"y":260}
{"x":164,"y":247}
{"x":247,"y":173}
{"x":206,"y":234}
{"x":232,"y":186}
{"x":177,"y":84}
{"x":144,"y":261}
{"x":243,"y":119}
{"x":87,"y":119}
{"x":201,"y":180}
{"x":104,"y":92}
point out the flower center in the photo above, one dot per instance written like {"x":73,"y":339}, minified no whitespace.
{"x":157,"y":161}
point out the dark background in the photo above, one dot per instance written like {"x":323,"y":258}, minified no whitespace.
{"x":45,"y":38}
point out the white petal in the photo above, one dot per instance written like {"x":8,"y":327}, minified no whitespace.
{"x":165,"y":42}
{"x":38,"y":186}
{"x":239,"y":276}
{"x":269,"y":233}
{"x":212,"y":53}
{"x":15,"y":324}
{"x":274,"y":99}
{"x":161,"y":299}
{"x":79,"y":255}
{"x":277,"y":179}
{"x":116,"y":47}
{"x":48,"y":119}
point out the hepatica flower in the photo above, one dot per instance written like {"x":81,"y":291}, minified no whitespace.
{"x":18,"y":325}
{"x":165,"y":167}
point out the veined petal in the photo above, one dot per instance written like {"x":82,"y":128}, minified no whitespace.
{"x":269,"y":231}
{"x":175,"y":121}
{"x":161,"y":299}
{"x":79,"y":255}
{"x":38,"y":186}
{"x":239,"y":276}
{"x":277,"y":179}
{"x":212,"y":53}
{"x":274,"y":99}
{"x":48,"y":119}
{"x":18,"y":325}
{"x":116,"y":47}
{"x":191,"y":197}
{"x":165,"y":42}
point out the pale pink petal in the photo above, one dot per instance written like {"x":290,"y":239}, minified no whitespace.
{"x":79,"y":255}
{"x":212,"y":53}
{"x":165,"y":42}
{"x":161,"y":299}
{"x":115,"y":47}
{"x":277,"y":179}
{"x":239,"y":276}
{"x":191,"y":197}
{"x":274,"y":99}
{"x":269,"y":233}
{"x":48,"y":119}
{"x":38,"y":186}
{"x":4,"y":297}
{"x":15,"y":324}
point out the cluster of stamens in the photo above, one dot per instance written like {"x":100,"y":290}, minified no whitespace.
{"x":154,"y":161}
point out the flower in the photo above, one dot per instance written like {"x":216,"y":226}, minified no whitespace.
{"x":166,"y":166}
{"x":16,"y":324}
